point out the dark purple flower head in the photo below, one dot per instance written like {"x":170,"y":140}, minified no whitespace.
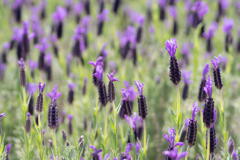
{"x":32,"y":65}
{"x":224,"y":4}
{"x":111,"y":77}
{"x":17,"y":34}
{"x":71,"y":86}
{"x":205,"y":71}
{"x":21,"y":63}
{"x":215,"y":62}
{"x":186,"y":77}
{"x":129,"y":35}
{"x":8,"y":148}
{"x":208,"y":87}
{"x":170,"y":138}
{"x":162,"y":3}
{"x":2,"y":115}
{"x":25,"y":27}
{"x":99,"y":72}
{"x":32,"y":88}
{"x":70,"y":117}
{"x":171,"y":47}
{"x":128,"y":93}
{"x":17,"y":3}
{"x":195,"y":110}
{"x":103,"y":16}
{"x":173,"y":154}
{"x":54,"y":94}
{"x":78,"y":8}
{"x":6,"y":46}
{"x":43,"y":46}
{"x":228,"y":25}
{"x":211,"y":31}
{"x":41,"y":87}
{"x":85,"y":22}
{"x":173,"y":12}
{"x":139,"y":87}
{"x":136,"y":17}
{"x":59,"y":15}
{"x":201,"y":8}
{"x":134,"y":121}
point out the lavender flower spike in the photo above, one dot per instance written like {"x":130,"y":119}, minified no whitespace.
{"x":21,"y":63}
{"x":171,"y":46}
{"x":216,"y":72}
{"x":31,"y":88}
{"x":208,"y":87}
{"x":186,"y":77}
{"x":173,"y":154}
{"x":111,"y":87}
{"x":228,"y":25}
{"x":54,"y":94}
{"x":111,"y":77}
{"x":195,"y":110}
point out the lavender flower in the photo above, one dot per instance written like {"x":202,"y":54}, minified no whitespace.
{"x":21,"y":64}
{"x":8,"y":150}
{"x":202,"y":94}
{"x":99,"y":62}
{"x":231,"y":146}
{"x":43,"y":46}
{"x":213,"y":140}
{"x":162,"y":12}
{"x":235,"y":155}
{"x":173,"y":154}
{"x":71,"y":87}
{"x":209,"y":113}
{"x":39,"y":105}
{"x":48,"y":66}
{"x":222,"y":6}
{"x":97,"y":154}
{"x":128,"y":96}
{"x":227,"y":28}
{"x":173,"y":14}
{"x":31,"y":89}
{"x":136,"y":123}
{"x":32,"y":65}
{"x":28,"y":123}
{"x":186,"y":79}
{"x":111,"y":87}
{"x":102,"y":17}
{"x":175,"y":74}
{"x":209,"y":35}
{"x":53,"y":109}
{"x":192,"y":126}
{"x":199,"y":10}
{"x":216,"y":72}
{"x":70,"y":128}
{"x":17,"y":10}
{"x":142,"y":105}
{"x":58,"y":21}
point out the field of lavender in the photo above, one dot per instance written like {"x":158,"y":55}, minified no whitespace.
{"x":119,"y":79}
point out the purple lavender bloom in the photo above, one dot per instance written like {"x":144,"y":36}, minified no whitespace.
{"x":208,"y":87}
{"x":43,"y":46}
{"x":195,"y":110}
{"x":139,"y":87}
{"x":211,"y":31}
{"x":186,"y":77}
{"x":111,"y":77}
{"x":8,"y":148}
{"x":97,"y":154}
{"x":78,"y":8}
{"x":215,"y":62}
{"x":128,"y":93}
{"x":173,"y":154}
{"x":2,"y":115}
{"x":170,"y":138}
{"x":162,"y":3}
{"x":41,"y":87}
{"x":32,"y":65}
{"x":99,"y":73}
{"x":103,"y":16}
{"x":173,"y":12}
{"x":134,"y":121}
{"x":205,"y":71}
{"x":171,"y":46}
{"x":201,"y":8}
{"x":59,"y":15}
{"x":54,"y":94}
{"x":186,"y":47}
{"x":228,"y":25}
{"x":99,"y":61}
{"x":235,"y":155}
{"x":31,"y":88}
{"x":224,"y":4}
{"x":71,"y":86}
{"x":48,"y":59}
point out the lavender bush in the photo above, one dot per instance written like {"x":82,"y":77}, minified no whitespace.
{"x":119,"y":79}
